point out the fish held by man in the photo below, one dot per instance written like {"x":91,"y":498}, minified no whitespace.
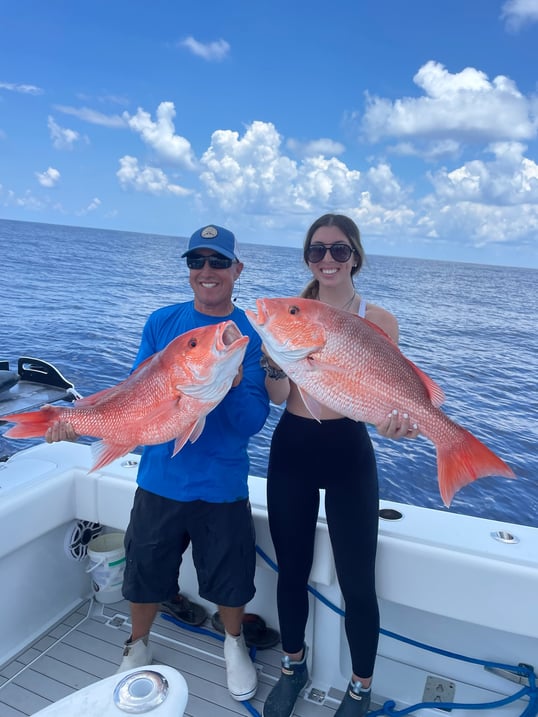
{"x":350,"y":365}
{"x":166,"y":398}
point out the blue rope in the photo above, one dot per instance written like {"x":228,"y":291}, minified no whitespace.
{"x":192,"y":628}
{"x":389,"y":707}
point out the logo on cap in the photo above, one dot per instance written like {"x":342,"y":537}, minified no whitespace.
{"x":208,"y":233}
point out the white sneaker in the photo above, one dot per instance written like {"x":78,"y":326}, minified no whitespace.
{"x":241,"y":674}
{"x":135,"y":654}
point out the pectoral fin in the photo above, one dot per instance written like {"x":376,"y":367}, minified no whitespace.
{"x":312,"y":406}
{"x":104,"y":453}
{"x":191,"y":434}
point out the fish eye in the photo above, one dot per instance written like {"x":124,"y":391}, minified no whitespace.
{"x":294,"y":309}
{"x":193,"y":343}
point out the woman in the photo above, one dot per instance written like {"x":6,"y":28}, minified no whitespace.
{"x":335,"y":454}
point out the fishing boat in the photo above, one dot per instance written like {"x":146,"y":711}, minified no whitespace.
{"x":458,"y":601}
{"x":34,"y":383}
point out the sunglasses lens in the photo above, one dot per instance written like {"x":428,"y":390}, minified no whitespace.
{"x":315,"y":253}
{"x":219,"y":262}
{"x":197,"y":261}
{"x":340,"y":252}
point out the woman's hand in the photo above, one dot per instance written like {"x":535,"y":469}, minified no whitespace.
{"x":397,"y":425}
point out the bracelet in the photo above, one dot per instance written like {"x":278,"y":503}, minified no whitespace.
{"x":271,"y":371}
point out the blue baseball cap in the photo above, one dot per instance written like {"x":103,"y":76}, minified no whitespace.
{"x":213,"y":237}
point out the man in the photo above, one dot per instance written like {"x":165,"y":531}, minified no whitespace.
{"x":201,"y":494}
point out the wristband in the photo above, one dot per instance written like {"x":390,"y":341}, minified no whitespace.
{"x":271,"y":371}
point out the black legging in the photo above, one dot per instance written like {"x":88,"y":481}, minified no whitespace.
{"x":336,"y":455}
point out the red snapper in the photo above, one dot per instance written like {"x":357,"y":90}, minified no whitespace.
{"x":350,"y":365}
{"x":166,"y":398}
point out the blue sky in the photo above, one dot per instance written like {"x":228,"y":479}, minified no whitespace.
{"x":419,"y":119}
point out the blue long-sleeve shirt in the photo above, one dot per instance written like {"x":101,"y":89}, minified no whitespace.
{"x":215,"y":467}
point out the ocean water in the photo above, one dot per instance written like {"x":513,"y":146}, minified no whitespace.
{"x":79,"y":298}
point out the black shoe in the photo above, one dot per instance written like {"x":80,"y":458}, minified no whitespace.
{"x":284,"y":694}
{"x":183,"y":609}
{"x":255,"y":631}
{"x":356,"y":702}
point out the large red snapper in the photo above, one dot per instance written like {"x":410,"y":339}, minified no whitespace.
{"x":166,"y":398}
{"x":348,"y":364}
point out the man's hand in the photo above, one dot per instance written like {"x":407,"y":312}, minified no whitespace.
{"x":238,"y":377}
{"x":61,"y":431}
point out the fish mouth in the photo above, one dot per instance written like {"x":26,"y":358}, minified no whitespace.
{"x":229,"y":336}
{"x":212,"y":380}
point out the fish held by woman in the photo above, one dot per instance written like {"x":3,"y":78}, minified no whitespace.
{"x":166,"y":398}
{"x":350,"y":365}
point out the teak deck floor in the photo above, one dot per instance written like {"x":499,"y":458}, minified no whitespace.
{"x":86,"y":646}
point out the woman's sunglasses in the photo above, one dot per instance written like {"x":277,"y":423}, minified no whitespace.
{"x":216,"y":261}
{"x":339,"y":252}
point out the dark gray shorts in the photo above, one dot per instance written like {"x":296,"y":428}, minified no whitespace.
{"x":223,"y":549}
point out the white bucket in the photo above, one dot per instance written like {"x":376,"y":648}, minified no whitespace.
{"x":107,"y":563}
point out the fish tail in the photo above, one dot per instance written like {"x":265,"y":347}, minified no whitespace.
{"x":463,"y":461}
{"x":33,"y":424}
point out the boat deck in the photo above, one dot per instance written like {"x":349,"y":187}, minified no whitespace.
{"x":86,"y":646}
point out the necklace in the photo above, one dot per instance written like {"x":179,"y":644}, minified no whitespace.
{"x":348,"y":304}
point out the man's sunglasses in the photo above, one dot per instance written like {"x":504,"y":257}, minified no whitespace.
{"x":216,"y":261}
{"x":339,"y":252}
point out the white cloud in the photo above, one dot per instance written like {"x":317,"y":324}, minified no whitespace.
{"x":476,"y":202}
{"x":23,"y":89}
{"x":316,"y":147}
{"x":462,"y":107}
{"x":62,"y":138}
{"x":510,"y":178}
{"x":485,"y":202}
{"x":48,"y":178}
{"x":518,"y":13}
{"x":374,"y":218}
{"x":251,"y":174}
{"x":92,"y":116}
{"x":151,"y":180}
{"x":248,"y":172}
{"x":26,"y":201}
{"x":94,"y":204}
{"x":429,"y":151}
{"x":210,"y":51}
{"x":482,"y":224}
{"x":487,"y":196}
{"x":160,"y":135}
{"x":385,"y":186}
{"x":325,"y":182}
